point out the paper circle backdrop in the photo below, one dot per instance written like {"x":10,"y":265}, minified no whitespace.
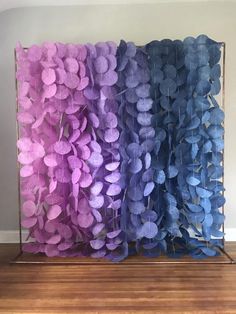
{"x":121,"y":148}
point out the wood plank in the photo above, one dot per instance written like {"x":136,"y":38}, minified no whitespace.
{"x":114,"y":289}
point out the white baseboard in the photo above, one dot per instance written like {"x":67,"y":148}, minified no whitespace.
{"x":12,"y":236}
{"x":230,"y":234}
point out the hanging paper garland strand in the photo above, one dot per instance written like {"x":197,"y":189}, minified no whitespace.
{"x":54,"y":134}
{"x":137,"y":143}
{"x":105,"y":160}
{"x":202,"y":56}
{"x":163,"y":69}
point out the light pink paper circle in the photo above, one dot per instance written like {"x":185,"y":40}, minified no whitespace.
{"x":71,"y":80}
{"x":50,"y":90}
{"x":48,"y":76}
{"x":71,"y":65}
{"x":34,"y":53}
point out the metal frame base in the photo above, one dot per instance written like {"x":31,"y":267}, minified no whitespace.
{"x":137,"y":260}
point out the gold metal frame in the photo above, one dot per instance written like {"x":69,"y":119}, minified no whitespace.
{"x":18,"y":165}
{"x":19,"y":259}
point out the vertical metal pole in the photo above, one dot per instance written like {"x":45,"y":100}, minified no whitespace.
{"x":17,"y":151}
{"x":223,"y":108}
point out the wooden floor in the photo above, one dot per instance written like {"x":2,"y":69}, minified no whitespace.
{"x":117,"y":288}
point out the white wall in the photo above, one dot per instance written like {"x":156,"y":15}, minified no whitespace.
{"x":140,"y":23}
